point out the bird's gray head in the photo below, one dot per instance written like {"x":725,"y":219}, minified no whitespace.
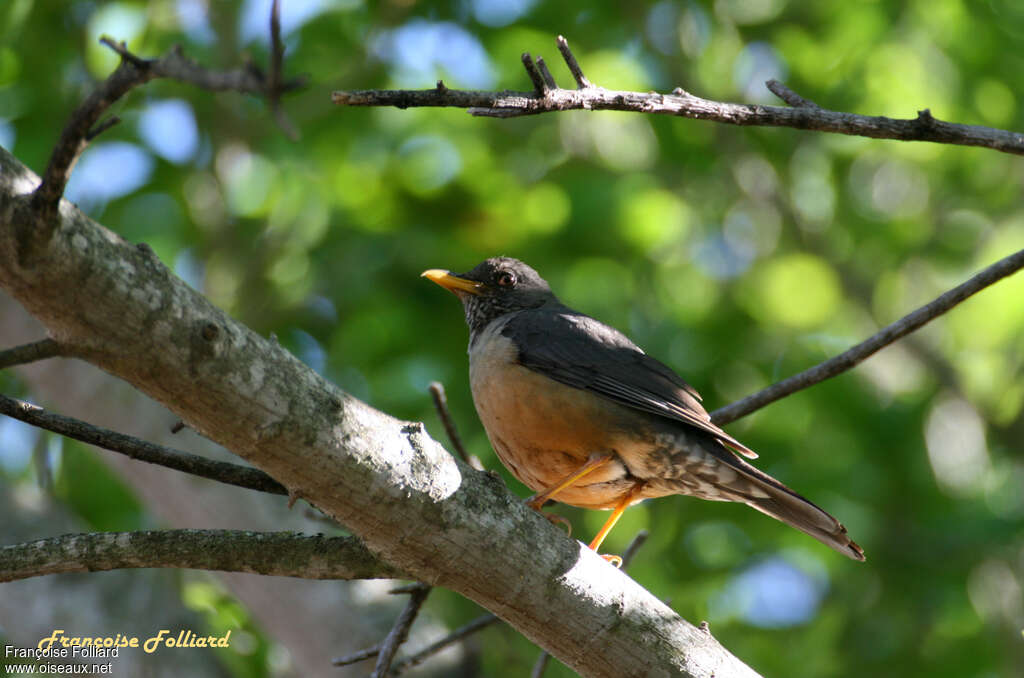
{"x":493,"y":288}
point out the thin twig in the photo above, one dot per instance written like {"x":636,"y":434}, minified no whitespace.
{"x":539,"y":86}
{"x":221,"y":471}
{"x":274,"y":81}
{"x":102,"y":127}
{"x":29,"y":353}
{"x":355,"y":657}
{"x":549,"y":79}
{"x":415,"y":589}
{"x":789,"y":96}
{"x":509,"y":104}
{"x":455,"y":636}
{"x":441,"y":405}
{"x":634,"y":546}
{"x":276,"y":50}
{"x":887,"y":335}
{"x":541,"y":665}
{"x":284,"y":554}
{"x":132,"y":72}
{"x":570,"y":61}
{"x":399,"y":632}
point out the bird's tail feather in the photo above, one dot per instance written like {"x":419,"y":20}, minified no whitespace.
{"x":786,"y":505}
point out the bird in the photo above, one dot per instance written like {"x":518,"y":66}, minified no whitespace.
{"x":581,"y":415}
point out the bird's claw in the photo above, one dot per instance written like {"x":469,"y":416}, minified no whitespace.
{"x":616,"y":561}
{"x":536,"y":505}
{"x":556,"y":519}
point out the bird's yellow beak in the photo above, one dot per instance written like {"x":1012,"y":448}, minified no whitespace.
{"x":452,"y":283}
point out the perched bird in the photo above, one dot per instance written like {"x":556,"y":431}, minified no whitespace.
{"x":581,"y":415}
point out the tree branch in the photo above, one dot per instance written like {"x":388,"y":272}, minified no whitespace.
{"x":441,"y":405}
{"x":400,"y":631}
{"x":279,"y":554}
{"x":478,"y":624}
{"x":789,"y":96}
{"x":132,"y":72}
{"x":275,"y":87}
{"x":29,"y":353}
{"x":887,"y":335}
{"x":142,"y":450}
{"x":805,"y":115}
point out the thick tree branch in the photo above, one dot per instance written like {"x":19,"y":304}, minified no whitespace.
{"x":413,"y":504}
{"x":136,"y":448}
{"x":805,"y":115}
{"x":887,"y":335}
{"x":280,"y":554}
{"x":29,"y":353}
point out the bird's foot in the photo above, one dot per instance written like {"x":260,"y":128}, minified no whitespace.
{"x":616,"y":561}
{"x":556,"y":519}
{"x":537,"y":501}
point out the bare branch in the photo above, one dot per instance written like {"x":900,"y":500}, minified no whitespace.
{"x":132,"y":72}
{"x":541,"y":665}
{"x":274,"y":88}
{"x":539,"y":86}
{"x":549,"y":80}
{"x":887,"y":335}
{"x":29,"y":353}
{"x":221,"y":471}
{"x":276,"y":49}
{"x":634,"y":546}
{"x":356,"y":657}
{"x":441,"y":405}
{"x":805,"y":115}
{"x":282,"y":554}
{"x":400,"y":631}
{"x":478,"y":624}
{"x":789,"y":96}
{"x":102,"y":127}
{"x":129,"y":74}
{"x":570,"y":61}
{"x":386,"y":649}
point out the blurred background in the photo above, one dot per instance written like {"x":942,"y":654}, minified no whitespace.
{"x":738,"y":256}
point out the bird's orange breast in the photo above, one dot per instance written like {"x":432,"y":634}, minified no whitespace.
{"x":543,"y":430}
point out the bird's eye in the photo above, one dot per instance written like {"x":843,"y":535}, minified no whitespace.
{"x":506,"y":278}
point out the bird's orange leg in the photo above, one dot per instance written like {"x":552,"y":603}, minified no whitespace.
{"x":610,"y":523}
{"x":535,"y":502}
{"x":595,"y":462}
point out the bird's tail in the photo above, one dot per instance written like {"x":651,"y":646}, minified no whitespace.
{"x":786,"y":505}
{"x":760,"y":491}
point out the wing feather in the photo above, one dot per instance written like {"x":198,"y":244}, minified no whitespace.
{"x":593,"y":356}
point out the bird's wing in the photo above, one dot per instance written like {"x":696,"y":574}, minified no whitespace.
{"x":593,"y":356}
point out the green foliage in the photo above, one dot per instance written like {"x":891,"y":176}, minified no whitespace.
{"x":737,"y":255}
